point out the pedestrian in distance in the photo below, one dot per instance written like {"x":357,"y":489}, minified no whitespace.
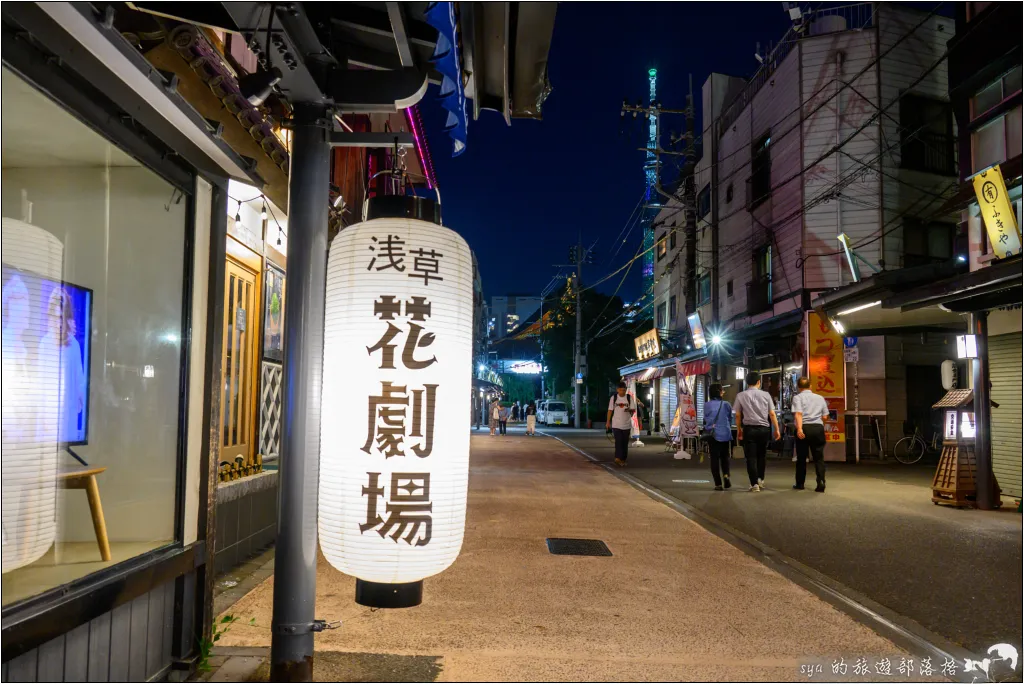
{"x":494,"y":412}
{"x":756,"y":423}
{"x":718,"y":434}
{"x":531,"y":419}
{"x":515,"y":411}
{"x":503,"y":414}
{"x":809,"y":411}
{"x":621,"y":408}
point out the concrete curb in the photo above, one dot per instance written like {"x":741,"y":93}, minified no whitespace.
{"x":902,"y":631}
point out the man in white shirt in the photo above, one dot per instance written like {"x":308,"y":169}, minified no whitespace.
{"x":621,"y":408}
{"x":809,"y":411}
{"x":755,"y":412}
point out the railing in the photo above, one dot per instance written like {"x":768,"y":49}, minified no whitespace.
{"x":930,"y":153}
{"x":856,"y":16}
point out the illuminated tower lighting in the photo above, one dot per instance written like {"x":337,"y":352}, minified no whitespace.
{"x":651,"y":177}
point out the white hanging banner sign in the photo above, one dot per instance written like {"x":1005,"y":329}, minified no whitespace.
{"x":687,"y":407}
{"x":397,"y":381}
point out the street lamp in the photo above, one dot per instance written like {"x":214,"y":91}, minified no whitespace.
{"x":967,"y":346}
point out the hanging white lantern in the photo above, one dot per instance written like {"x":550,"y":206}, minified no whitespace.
{"x":32,"y":262}
{"x":398,"y":361}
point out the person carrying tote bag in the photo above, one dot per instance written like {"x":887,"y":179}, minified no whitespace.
{"x":718,"y":435}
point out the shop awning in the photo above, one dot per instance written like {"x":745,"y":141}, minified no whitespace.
{"x":696,"y":367}
{"x":997,"y":285}
{"x":659,"y":367}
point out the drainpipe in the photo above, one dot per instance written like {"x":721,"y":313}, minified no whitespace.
{"x":839,"y":158}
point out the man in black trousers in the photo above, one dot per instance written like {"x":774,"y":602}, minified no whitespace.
{"x":756,"y":423}
{"x":621,"y":408}
{"x":809,"y":411}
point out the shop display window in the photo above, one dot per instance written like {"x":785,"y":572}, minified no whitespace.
{"x":93,"y":279}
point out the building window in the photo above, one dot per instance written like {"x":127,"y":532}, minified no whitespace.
{"x":1000,"y":138}
{"x":673,"y":310}
{"x":760,"y":170}
{"x":704,"y":201}
{"x":728,"y":289}
{"x":93,"y":298}
{"x":759,"y":289}
{"x":660,"y":324}
{"x":992,"y":95}
{"x":704,"y":289}
{"x":662,"y":247}
{"x":926,"y":135}
{"x":997,"y":141}
{"x":728,"y":193}
{"x":672,"y":237}
{"x":926,"y":243}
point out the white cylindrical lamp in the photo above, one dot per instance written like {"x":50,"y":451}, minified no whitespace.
{"x":32,"y":257}
{"x":398,"y":360}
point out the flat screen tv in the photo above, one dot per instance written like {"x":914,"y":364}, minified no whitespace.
{"x":38,"y":310}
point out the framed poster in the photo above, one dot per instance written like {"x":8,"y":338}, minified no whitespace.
{"x":273,"y":314}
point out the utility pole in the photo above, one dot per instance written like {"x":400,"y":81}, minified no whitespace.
{"x":577,"y":257}
{"x":577,"y":376}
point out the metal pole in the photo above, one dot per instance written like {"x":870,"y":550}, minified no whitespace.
{"x":577,"y":387}
{"x":985,"y":496}
{"x":291,"y":653}
{"x":540,"y":338}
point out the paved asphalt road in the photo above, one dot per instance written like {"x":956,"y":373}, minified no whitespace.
{"x":958,"y":573}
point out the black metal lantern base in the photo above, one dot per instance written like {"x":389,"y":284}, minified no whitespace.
{"x":379,"y":595}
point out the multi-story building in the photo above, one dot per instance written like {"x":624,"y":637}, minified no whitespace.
{"x":508,"y":312}
{"x":845,"y":130}
{"x":984,"y":297}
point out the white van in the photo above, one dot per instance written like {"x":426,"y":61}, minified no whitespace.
{"x":555,"y":413}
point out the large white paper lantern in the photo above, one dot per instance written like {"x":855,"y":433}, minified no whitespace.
{"x":31,"y":394}
{"x":397,"y":381}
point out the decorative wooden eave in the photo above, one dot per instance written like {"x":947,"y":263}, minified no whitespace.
{"x":268,"y":154}
{"x":958,"y":399}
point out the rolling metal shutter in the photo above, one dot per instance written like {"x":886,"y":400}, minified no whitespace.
{"x":1004,"y":353}
{"x":667,"y":401}
{"x":700,"y":397}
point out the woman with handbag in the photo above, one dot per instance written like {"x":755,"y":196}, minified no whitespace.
{"x":718,"y":435}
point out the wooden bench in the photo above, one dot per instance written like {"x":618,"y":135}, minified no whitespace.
{"x":86,"y":479}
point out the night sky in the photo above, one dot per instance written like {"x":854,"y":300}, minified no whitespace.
{"x":520,"y":194}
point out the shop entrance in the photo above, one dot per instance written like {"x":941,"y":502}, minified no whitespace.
{"x":241,"y":354}
{"x":924,"y":388}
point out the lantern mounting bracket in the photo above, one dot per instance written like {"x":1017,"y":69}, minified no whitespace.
{"x":306,"y":628}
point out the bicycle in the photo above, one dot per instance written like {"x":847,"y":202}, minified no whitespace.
{"x":912,"y":448}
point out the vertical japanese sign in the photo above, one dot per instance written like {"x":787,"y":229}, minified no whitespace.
{"x":826,"y":369}
{"x":687,"y":406}
{"x":396,"y":391}
{"x":824,"y":357}
{"x":997,"y":213}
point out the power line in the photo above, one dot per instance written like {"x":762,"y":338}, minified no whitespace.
{"x":835,"y":149}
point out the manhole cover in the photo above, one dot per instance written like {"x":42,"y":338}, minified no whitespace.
{"x":578,"y":547}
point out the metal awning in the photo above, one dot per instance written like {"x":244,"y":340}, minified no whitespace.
{"x":657,"y":367}
{"x":988,"y":288}
{"x":861,"y":309}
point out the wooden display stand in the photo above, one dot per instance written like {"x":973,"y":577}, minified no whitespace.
{"x":955,"y":482}
{"x":86,"y":479}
